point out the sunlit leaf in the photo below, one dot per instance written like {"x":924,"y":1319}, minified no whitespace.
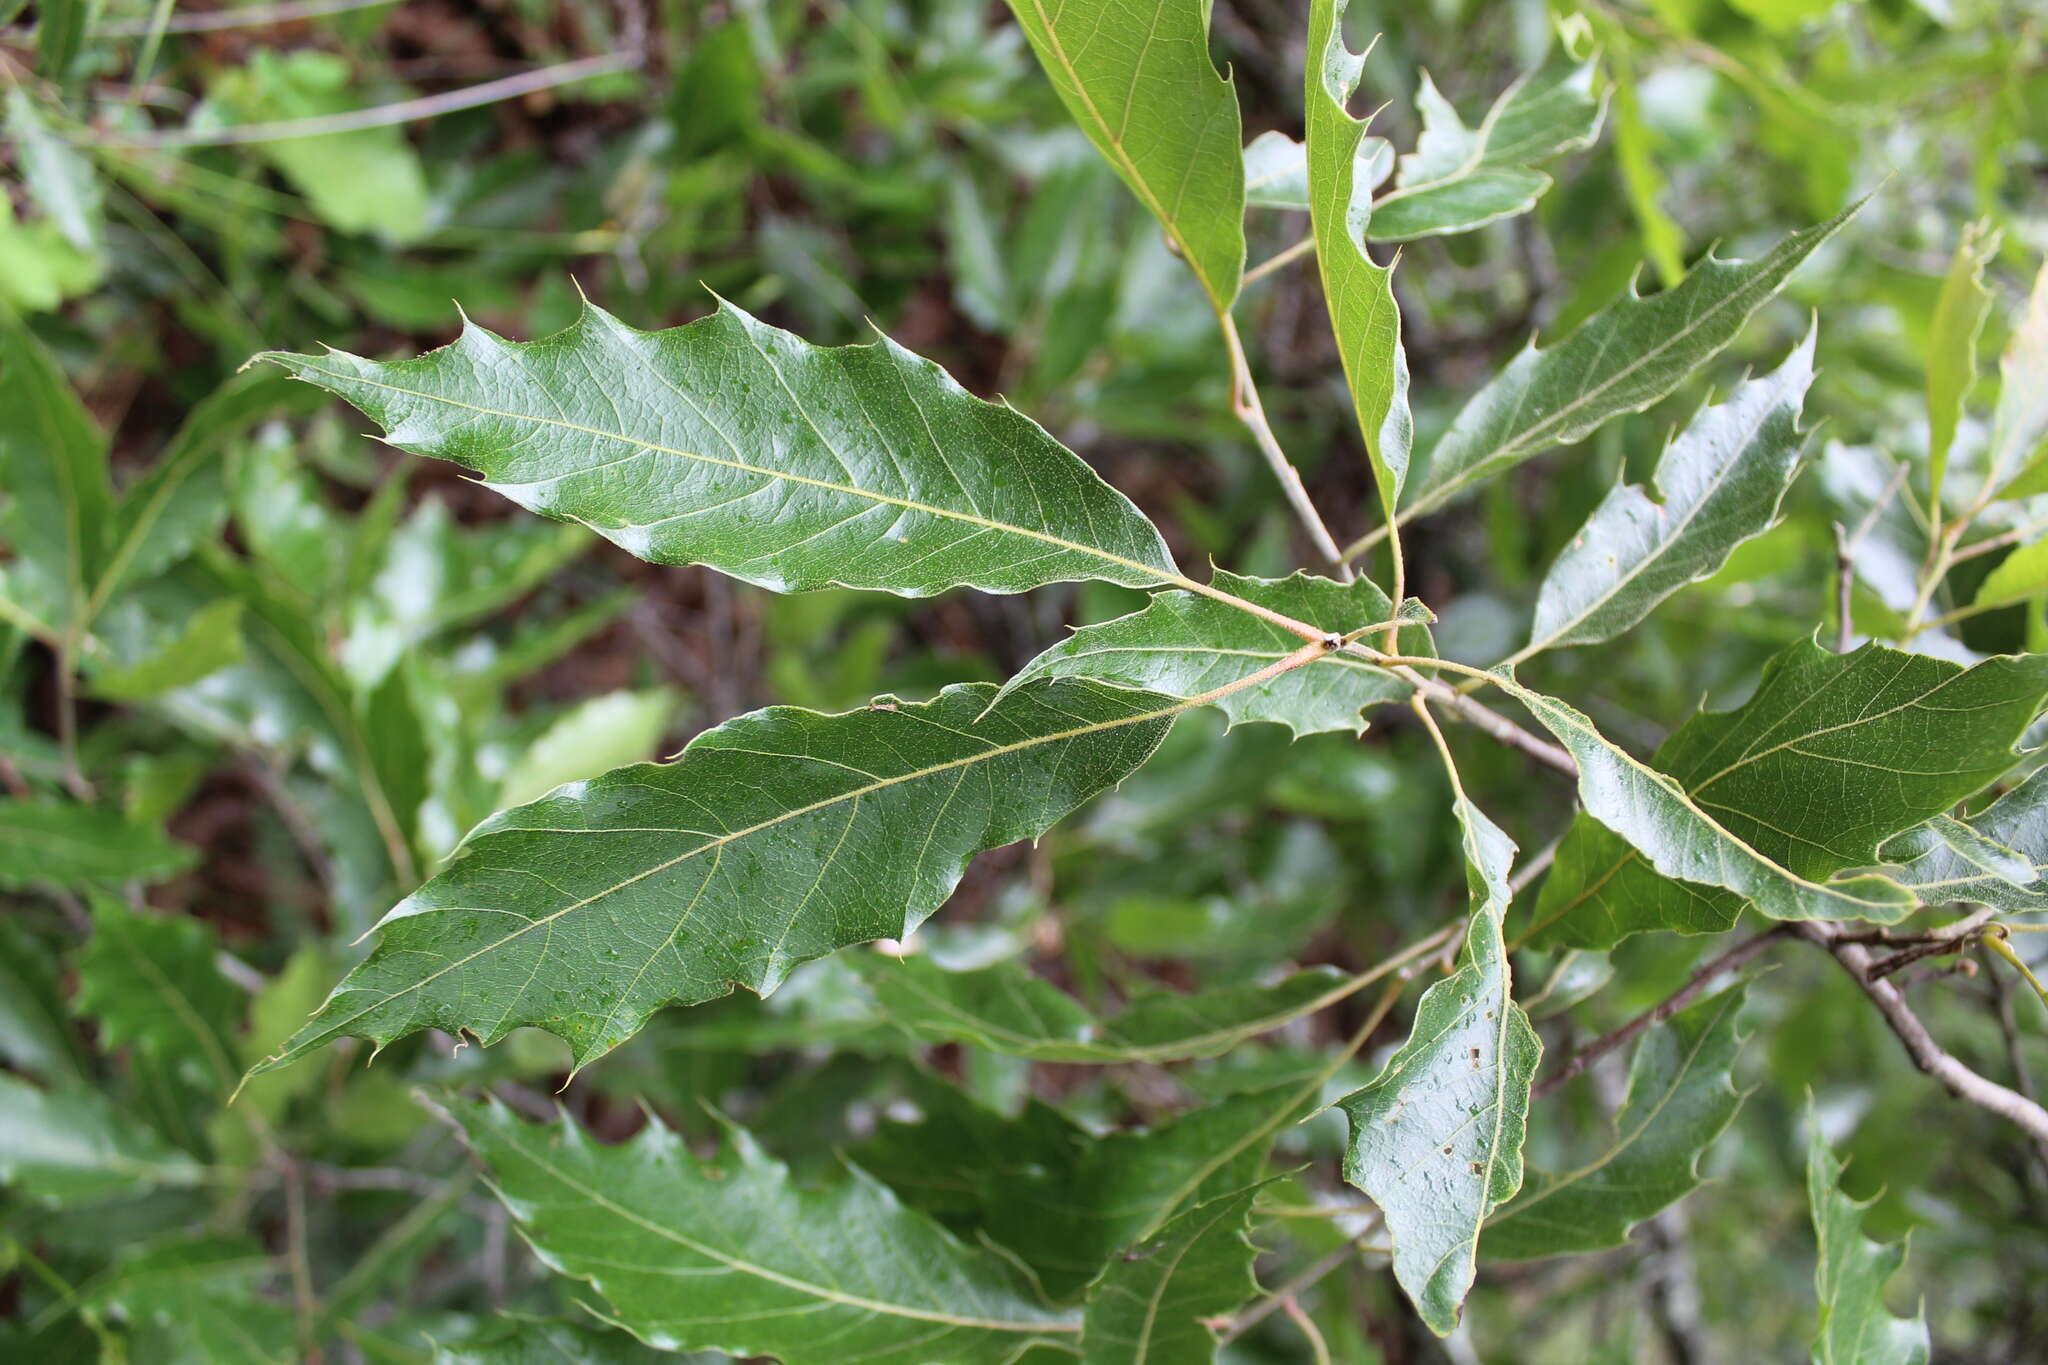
{"x":1136,"y":75}
{"x":1718,"y":484}
{"x":730,"y":443}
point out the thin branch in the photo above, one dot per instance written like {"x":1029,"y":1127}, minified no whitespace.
{"x":1244,"y":402}
{"x":1266,"y":1307}
{"x":1997,"y":542}
{"x":1694,"y":987}
{"x":1495,"y":725}
{"x":1278,"y":261}
{"x":1319,"y":1350}
{"x":383,"y":115}
{"x":1926,"y":1054}
{"x":249,"y":16}
{"x":1845,"y":590}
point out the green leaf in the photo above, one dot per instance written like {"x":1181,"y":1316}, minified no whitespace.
{"x":1062,"y":1199}
{"x":195,"y":1302}
{"x":1622,"y":359}
{"x":1681,"y":1097}
{"x":1718,"y":484}
{"x":1769,"y":798}
{"x":362,"y":180}
{"x":734,"y":444}
{"x":726,"y":1253}
{"x":55,"y":501}
{"x":516,"y":1339}
{"x":62,"y":844}
{"x":2019,"y":425}
{"x":1855,"y":1326}
{"x":2020,"y":575}
{"x":1436,"y":1138}
{"x":150,"y":983}
{"x":1358,"y":292}
{"x":1998,"y":857}
{"x":1007,"y":1010}
{"x":70,"y":1146}
{"x":1183,"y":645}
{"x":182,"y":499}
{"x":1136,"y":75}
{"x":208,"y":641}
{"x":1460,"y":178}
{"x":1154,"y":1302}
{"x":1959,"y":313}
{"x":35,"y":1031}
{"x":778,"y":837}
{"x":59,"y":177}
{"x":588,"y":739}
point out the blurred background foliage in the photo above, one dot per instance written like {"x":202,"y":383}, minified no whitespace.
{"x":325,"y":661}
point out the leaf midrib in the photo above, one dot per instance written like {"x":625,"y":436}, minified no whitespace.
{"x":816,"y":1291}
{"x":850,"y":490}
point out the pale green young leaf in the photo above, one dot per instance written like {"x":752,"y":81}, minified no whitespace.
{"x":1153,"y":1303}
{"x":1718,"y":484}
{"x":1459,"y":178}
{"x":1062,"y":1199}
{"x":70,"y":1146}
{"x":725,"y":1252}
{"x":1622,"y":359}
{"x":1681,"y":1097}
{"x":731,"y":443}
{"x":1007,"y":1010}
{"x":1851,"y":1272}
{"x":589,"y":738}
{"x":1769,"y":799}
{"x":150,"y":983}
{"x":1358,"y":292}
{"x":2019,"y":424}
{"x":66,"y":844}
{"x":2021,"y":575}
{"x":1663,"y":241}
{"x":1136,"y":75}
{"x":1183,"y":646}
{"x":1959,"y":313}
{"x":1997,"y":857}
{"x":1436,"y":1138}
{"x":207,"y":641}
{"x":778,"y":837}
{"x":55,"y":500}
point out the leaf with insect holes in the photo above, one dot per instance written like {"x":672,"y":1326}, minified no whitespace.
{"x":1136,"y":75}
{"x":1358,"y":291}
{"x":1767,"y":800}
{"x":1005,"y":1009}
{"x":1681,"y":1097}
{"x":1065,"y":1200}
{"x":1849,"y":1279}
{"x":1155,"y":1301}
{"x":1436,"y":1138}
{"x":1460,"y":178}
{"x":1185,"y":645}
{"x":725,"y":1252}
{"x":778,"y":837}
{"x":1620,"y":360}
{"x":731,"y":443}
{"x":1720,"y":483}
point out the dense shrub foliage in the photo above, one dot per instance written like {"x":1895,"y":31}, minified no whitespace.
{"x":1087,"y":679}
